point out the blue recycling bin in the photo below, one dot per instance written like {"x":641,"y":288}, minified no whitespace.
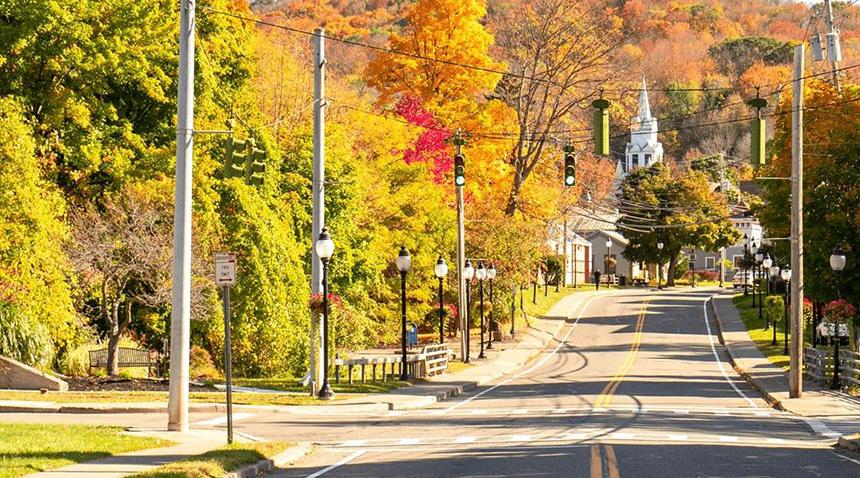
{"x":411,"y":334}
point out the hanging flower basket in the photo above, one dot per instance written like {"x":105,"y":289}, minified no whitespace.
{"x":316,"y":303}
{"x":839,"y":311}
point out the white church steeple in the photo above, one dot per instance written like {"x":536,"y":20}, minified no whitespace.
{"x":643,"y":150}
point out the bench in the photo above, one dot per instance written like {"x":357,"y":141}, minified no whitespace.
{"x":127,"y":357}
{"x":431,"y":360}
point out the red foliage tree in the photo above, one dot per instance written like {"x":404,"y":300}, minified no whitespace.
{"x":430,"y":146}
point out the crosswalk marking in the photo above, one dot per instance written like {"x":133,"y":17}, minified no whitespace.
{"x":465,"y":439}
{"x":678,"y":437}
{"x":222,"y":420}
{"x":728,"y":438}
{"x":410,"y":441}
{"x":521,"y":438}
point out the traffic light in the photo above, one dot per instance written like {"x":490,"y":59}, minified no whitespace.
{"x":234,"y":165}
{"x":569,"y":167}
{"x":256,"y":168}
{"x":459,"y":169}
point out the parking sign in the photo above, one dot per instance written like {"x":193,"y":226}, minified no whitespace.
{"x":225,"y":269}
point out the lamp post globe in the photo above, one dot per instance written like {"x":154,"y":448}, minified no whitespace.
{"x":324,"y":248}
{"x":608,"y":255}
{"x":767,"y":262}
{"x":403,"y":261}
{"x":491,"y":274}
{"x":481,"y":274}
{"x":440,"y":271}
{"x":468,"y":274}
{"x":837,"y":259}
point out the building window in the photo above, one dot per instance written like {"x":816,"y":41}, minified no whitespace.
{"x":647,"y":159}
{"x":710,"y":263}
{"x":635,"y":160}
{"x":738,"y":262}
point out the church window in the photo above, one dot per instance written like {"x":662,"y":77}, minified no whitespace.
{"x":647,"y":159}
{"x":635,"y":160}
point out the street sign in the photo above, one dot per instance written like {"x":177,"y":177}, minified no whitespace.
{"x":225,"y":269}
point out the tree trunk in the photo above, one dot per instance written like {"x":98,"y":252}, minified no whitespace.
{"x":514,"y":197}
{"x":114,"y":334}
{"x":670,"y":273}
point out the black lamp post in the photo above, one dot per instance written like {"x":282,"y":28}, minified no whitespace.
{"x":759,"y":259}
{"x":403,"y":262}
{"x":468,"y":273}
{"x":837,"y":263}
{"x":774,"y":271}
{"x":325,"y":249}
{"x":786,"y":278}
{"x":693,"y":267}
{"x":745,"y":266}
{"x":608,"y":256}
{"x":441,"y":270}
{"x":481,"y":274}
{"x":753,"y":251}
{"x":546,"y":281}
{"x":491,"y":274}
{"x":660,"y":266}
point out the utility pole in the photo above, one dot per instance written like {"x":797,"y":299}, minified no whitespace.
{"x":180,"y":313}
{"x":564,"y":253}
{"x":833,"y":52}
{"x":315,"y":374}
{"x":461,"y":257}
{"x":795,"y":377}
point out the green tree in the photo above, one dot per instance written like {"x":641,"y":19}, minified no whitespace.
{"x":680,"y":212}
{"x":32,"y":261}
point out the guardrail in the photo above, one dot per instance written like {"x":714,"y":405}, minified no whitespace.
{"x":431,"y":360}
{"x":819,"y":366}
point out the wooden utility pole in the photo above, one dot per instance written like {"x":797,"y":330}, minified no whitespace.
{"x":318,"y":220}
{"x":795,"y":374}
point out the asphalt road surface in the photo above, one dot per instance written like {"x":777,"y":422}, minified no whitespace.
{"x":636,"y":385}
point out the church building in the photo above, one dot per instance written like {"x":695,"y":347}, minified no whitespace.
{"x":643,"y":150}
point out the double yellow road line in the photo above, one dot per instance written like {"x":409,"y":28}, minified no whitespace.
{"x":605,"y":397}
{"x":599,"y":464}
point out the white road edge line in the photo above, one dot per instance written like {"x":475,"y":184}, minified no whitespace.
{"x":852,"y":460}
{"x":717,"y":356}
{"x":338,"y":464}
{"x":535,"y":366}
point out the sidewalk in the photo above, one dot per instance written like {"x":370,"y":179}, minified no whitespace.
{"x":188,"y":444}
{"x":770,"y":380}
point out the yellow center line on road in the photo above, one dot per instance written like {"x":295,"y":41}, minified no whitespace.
{"x":598,"y":464}
{"x":605,"y":397}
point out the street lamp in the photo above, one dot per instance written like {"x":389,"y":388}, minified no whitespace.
{"x":693,"y":267}
{"x":325,"y":249}
{"x":837,"y":263}
{"x":753,"y":250}
{"x":774,"y":273}
{"x":468,"y":273}
{"x":403,"y":262}
{"x":441,"y":270}
{"x":491,"y":274}
{"x":759,"y":259}
{"x":608,"y":255}
{"x":481,"y":274}
{"x":660,"y":265}
{"x":746,"y":268}
{"x":786,"y":277}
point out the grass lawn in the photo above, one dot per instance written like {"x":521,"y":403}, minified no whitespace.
{"x":26,"y":449}
{"x":544,"y":303}
{"x":762,"y":337}
{"x":217,"y":462}
{"x":291,"y":384}
{"x":137,"y":397}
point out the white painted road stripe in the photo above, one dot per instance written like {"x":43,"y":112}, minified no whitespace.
{"x":728,"y":439}
{"x":338,"y":464}
{"x":410,"y":441}
{"x":212,"y":422}
{"x":465,"y":439}
{"x":717,"y":356}
{"x":678,"y":437}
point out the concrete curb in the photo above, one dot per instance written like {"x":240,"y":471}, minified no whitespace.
{"x":109,"y":408}
{"x":851,"y":443}
{"x":287,"y":456}
{"x":769,"y":397}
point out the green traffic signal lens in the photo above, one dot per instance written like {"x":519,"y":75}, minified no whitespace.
{"x":569,"y":180}
{"x":460,"y":180}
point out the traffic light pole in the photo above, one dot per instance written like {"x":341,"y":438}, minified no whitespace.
{"x":315,"y":374}
{"x":180,"y":314}
{"x":461,"y":259}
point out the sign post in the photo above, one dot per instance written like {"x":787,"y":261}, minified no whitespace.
{"x":225,"y":276}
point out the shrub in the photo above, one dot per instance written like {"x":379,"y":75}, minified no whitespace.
{"x":201,"y":364}
{"x":24,"y":339}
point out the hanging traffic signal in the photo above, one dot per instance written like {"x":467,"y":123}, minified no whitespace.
{"x":601,"y":126}
{"x":459,"y":169}
{"x":569,"y":166}
{"x":758,"y":156}
{"x":234,"y":163}
{"x":256,"y":168}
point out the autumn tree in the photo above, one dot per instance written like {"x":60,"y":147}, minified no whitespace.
{"x":558,"y":52}
{"x":679,"y":211}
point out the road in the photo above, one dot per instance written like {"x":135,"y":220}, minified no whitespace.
{"x":635,"y":385}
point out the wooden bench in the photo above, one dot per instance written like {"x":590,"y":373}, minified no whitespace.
{"x":127,"y":357}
